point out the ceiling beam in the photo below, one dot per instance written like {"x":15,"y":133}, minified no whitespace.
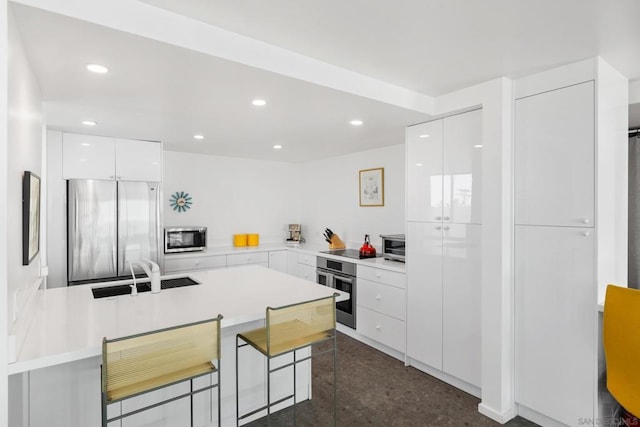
{"x":158,"y":24}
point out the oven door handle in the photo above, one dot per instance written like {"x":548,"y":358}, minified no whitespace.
{"x":345,"y":279}
{"x":330,"y":282}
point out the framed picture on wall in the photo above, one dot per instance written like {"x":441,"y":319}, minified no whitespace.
{"x":30,"y":217}
{"x":372,"y":187}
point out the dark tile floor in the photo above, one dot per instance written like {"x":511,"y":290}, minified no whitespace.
{"x":377,"y":390}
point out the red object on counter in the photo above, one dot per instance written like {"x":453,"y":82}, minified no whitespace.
{"x":366,"y":250}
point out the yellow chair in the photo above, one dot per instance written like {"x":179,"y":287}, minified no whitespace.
{"x":621,"y":335}
{"x":290,"y":328}
{"x":141,"y":363}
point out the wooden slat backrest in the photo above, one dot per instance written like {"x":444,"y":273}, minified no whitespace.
{"x":143,"y":362}
{"x":298,"y":322}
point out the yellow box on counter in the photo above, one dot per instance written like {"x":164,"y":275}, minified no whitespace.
{"x":253,"y":239}
{"x":239,"y":240}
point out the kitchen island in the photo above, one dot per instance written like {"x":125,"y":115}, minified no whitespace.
{"x":61,"y":354}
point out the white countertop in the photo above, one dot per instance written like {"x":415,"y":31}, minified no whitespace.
{"x":69,"y":323}
{"x":309,"y":248}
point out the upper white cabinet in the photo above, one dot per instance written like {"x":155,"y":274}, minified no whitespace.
{"x":444,"y":169}
{"x":88,"y":157}
{"x":97,"y":157}
{"x":462,"y":165}
{"x":554,"y":157}
{"x":424,"y":172}
{"x":138,"y":160}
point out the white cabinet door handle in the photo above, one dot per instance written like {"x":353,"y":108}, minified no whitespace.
{"x":438,"y":218}
{"x":586,"y":234}
{"x":378,"y":327}
{"x":438,"y":227}
{"x":197,"y":262}
{"x":585,"y":220}
{"x":446,"y":227}
{"x":446,"y":218}
{"x":111,"y":176}
{"x":118,"y":177}
{"x":378,"y":297}
{"x":377,"y":275}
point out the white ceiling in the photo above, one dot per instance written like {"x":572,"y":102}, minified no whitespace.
{"x":163,"y":92}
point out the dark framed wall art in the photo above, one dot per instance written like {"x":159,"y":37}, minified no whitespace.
{"x":30,"y":217}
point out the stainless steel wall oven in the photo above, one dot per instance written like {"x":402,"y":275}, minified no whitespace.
{"x":340,"y":275}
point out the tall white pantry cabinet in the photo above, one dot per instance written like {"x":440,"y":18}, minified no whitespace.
{"x":569,"y":190}
{"x":444,"y":169}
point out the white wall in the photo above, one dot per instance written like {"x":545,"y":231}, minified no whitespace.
{"x":56,"y":213}
{"x":232,"y":195}
{"x":24,"y":152}
{"x":330,"y":197}
{"x":4,"y":242}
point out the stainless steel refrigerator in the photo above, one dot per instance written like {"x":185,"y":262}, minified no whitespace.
{"x":110,"y":223}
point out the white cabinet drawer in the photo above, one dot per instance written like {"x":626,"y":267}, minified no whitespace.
{"x":382,"y":298}
{"x":250,"y":258}
{"x":307,"y":272}
{"x":198,"y":263}
{"x":379,"y":275}
{"x":384,"y":329}
{"x":307,"y":259}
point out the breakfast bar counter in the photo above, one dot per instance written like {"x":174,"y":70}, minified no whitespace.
{"x":61,"y":355}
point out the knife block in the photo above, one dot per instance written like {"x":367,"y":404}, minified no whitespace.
{"x":336,"y":243}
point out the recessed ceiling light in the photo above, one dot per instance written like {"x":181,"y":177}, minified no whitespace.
{"x":356,"y":122}
{"x":89,"y":123}
{"x":418,"y":164}
{"x":277,"y":147}
{"x":198,"y":136}
{"x":477,"y":146}
{"x":424,"y":135}
{"x":97,"y":68}
{"x":259,"y":102}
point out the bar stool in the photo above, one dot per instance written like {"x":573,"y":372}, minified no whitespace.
{"x":290,"y":328}
{"x":138,"y":364}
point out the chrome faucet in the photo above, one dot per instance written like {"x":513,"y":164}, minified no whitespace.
{"x":153,"y":273}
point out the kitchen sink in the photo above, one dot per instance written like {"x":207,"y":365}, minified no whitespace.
{"x":112,"y":291}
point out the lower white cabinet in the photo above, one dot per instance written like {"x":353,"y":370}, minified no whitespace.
{"x":424,"y":293}
{"x":175,"y":263}
{"x":381,"y":306}
{"x":306,"y":267}
{"x":278,"y":260}
{"x":443,"y":301}
{"x":555,"y":317}
{"x":261,"y":258}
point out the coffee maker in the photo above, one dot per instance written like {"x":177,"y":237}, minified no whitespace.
{"x":295,"y":234}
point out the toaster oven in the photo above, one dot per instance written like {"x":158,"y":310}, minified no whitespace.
{"x":393,"y":247}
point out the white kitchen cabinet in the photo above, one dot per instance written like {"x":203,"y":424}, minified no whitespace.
{"x":443,"y":246}
{"x":88,"y":157}
{"x":97,"y":157}
{"x":261,"y":258}
{"x":461,"y":296}
{"x":444,"y":169}
{"x":424,"y":172}
{"x":306,"y":267}
{"x":462,"y":168}
{"x":424,"y":293}
{"x":177,"y":263}
{"x":555,"y":317}
{"x":278,"y":260}
{"x":138,"y":160}
{"x":381,"y":306}
{"x":555,"y":157}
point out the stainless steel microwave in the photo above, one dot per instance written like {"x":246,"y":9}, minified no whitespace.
{"x":393,"y":247}
{"x":185,"y":239}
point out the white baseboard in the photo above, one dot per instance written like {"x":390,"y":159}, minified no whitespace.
{"x":537,"y":417}
{"x":501,"y":417}
{"x":457,"y":383}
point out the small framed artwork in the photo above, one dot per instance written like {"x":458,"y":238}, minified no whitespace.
{"x":30,"y":217}
{"x":372,"y":187}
